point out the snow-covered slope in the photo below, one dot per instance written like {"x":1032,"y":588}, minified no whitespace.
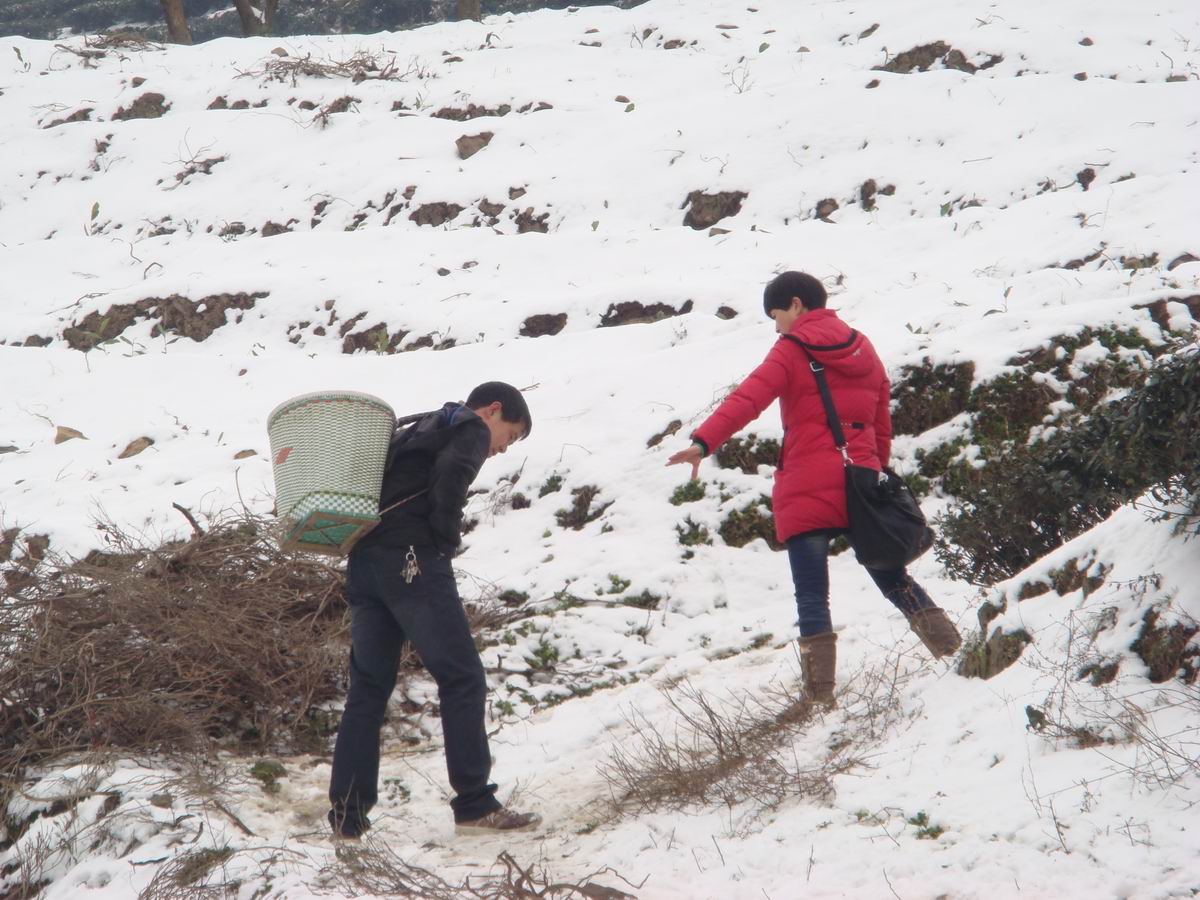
{"x":978,"y":213}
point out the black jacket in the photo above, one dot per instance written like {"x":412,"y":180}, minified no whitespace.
{"x":439,"y":455}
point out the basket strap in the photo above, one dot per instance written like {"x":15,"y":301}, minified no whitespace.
{"x":383,"y":512}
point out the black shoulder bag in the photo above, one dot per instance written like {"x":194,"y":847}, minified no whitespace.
{"x":887,"y":528}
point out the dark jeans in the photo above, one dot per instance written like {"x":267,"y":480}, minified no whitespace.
{"x":809,"y":556}
{"x":385,"y":611}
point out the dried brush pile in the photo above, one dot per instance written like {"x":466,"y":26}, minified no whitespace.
{"x":221,"y":640}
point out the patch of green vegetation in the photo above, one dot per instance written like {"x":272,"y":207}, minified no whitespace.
{"x":565,"y":600}
{"x":688,"y":492}
{"x":692,"y":534}
{"x":544,"y":656}
{"x":987,"y":658}
{"x":268,"y":771}
{"x":750,"y":523}
{"x":1007,"y":407}
{"x":926,"y":830}
{"x":747,"y":453}
{"x":1035,"y":497}
{"x":505,"y":708}
{"x":644,"y":600}
{"x":925,"y":396}
{"x":617,"y":584}
{"x":552,"y":485}
{"x":581,"y":512}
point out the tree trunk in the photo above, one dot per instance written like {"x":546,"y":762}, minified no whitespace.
{"x":177,"y":26}
{"x":251,"y":25}
{"x":469,"y":9}
{"x":268,"y":11}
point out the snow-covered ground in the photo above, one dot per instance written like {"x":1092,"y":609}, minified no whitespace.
{"x":960,"y":254}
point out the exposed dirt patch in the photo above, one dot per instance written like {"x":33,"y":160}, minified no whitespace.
{"x":1181,"y":259}
{"x":490,"y":209}
{"x":1072,"y":577}
{"x":1085,"y":177}
{"x":270,"y":229}
{"x":672,"y":428}
{"x":80,"y":115}
{"x":726,"y":312}
{"x":434,"y":214}
{"x":195,"y":319}
{"x":1161,"y":314}
{"x":705,"y":210}
{"x":526,"y":220}
{"x":431,"y":341}
{"x":375,"y":339}
{"x":340,"y":105}
{"x":150,"y":105}
{"x":543,"y":324}
{"x":1165,"y":649}
{"x":922,"y":57}
{"x":198,"y":167}
{"x":470,"y":144}
{"x":926,"y":396}
{"x":219,"y":103}
{"x":632,"y":312}
{"x":826,"y":208}
{"x":455,"y":114}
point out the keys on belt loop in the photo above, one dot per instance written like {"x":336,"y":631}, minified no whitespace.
{"x":411,"y":569}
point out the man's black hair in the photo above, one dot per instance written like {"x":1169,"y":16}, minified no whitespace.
{"x":779,"y":293}
{"x":513,"y":407}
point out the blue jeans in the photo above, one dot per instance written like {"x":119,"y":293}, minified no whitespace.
{"x":809,"y":556}
{"x":385,"y":612}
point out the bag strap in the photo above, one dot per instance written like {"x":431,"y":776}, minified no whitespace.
{"x":831,"y":414}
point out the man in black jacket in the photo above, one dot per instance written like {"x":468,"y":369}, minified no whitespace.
{"x":400,"y":586}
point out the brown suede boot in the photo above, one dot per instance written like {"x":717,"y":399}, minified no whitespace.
{"x":818,"y":660}
{"x":936,"y":631}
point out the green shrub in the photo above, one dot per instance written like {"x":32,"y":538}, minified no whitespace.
{"x":580,"y":512}
{"x":688,"y":492}
{"x":925,"y":396}
{"x":1036,"y":497}
{"x":750,"y":523}
{"x":692,"y":534}
{"x":747,"y":454}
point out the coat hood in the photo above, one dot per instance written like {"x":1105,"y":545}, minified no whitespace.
{"x":833,"y":343}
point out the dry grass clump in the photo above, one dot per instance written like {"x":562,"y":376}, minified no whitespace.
{"x":218,"y":640}
{"x":361,"y":66}
{"x":743,"y":749}
{"x":372,"y":867}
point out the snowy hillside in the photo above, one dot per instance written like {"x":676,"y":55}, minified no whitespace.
{"x":587,"y":204}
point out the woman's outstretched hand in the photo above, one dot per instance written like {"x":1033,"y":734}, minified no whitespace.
{"x":691,"y":456}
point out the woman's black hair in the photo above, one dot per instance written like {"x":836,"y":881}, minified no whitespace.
{"x":779,"y":293}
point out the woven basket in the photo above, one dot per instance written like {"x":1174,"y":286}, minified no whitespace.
{"x":328,"y":451}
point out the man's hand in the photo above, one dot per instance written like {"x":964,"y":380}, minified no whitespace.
{"x":692,"y":456}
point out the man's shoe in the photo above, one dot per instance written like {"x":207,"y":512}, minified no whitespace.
{"x":347,"y":827}
{"x":501,"y":820}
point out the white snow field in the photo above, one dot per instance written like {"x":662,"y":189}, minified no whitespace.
{"x":1052,"y":188}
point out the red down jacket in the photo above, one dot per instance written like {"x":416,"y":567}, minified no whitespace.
{"x":810,"y":486}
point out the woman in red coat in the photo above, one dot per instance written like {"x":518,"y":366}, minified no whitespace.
{"x":809,"y":497}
